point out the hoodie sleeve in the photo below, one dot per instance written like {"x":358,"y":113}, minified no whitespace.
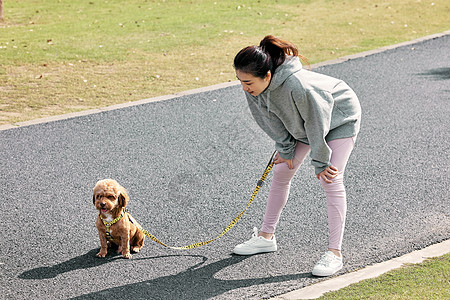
{"x":315,"y":107}
{"x":284,"y":142}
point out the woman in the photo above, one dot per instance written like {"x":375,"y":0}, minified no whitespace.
{"x":303,"y":112}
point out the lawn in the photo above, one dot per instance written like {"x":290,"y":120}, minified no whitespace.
{"x":428,"y":280}
{"x":60,"y":56}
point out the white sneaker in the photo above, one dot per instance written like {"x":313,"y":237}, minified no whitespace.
{"x":327,"y":265}
{"x":257,"y":244}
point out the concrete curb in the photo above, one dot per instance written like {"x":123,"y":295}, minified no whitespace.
{"x":317,"y":290}
{"x":208,"y":88}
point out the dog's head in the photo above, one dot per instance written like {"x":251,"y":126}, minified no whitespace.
{"x":108,"y":195}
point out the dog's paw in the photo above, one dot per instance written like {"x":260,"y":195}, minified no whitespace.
{"x":126,"y":255}
{"x":101,"y":254}
{"x":136,"y":249}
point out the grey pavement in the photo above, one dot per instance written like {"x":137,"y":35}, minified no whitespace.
{"x":190,"y":164}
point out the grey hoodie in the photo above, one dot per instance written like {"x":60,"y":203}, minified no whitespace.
{"x":307,"y":107}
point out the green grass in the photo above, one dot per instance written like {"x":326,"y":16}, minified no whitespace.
{"x":59,"y":56}
{"x":428,"y":280}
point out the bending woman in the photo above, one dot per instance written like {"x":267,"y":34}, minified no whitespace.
{"x":303,"y":112}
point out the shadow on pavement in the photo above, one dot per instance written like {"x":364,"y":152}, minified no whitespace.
{"x":438,"y":74}
{"x":194,"y":283}
{"x":85,"y":261}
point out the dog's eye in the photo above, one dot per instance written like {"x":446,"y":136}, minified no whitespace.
{"x":111,"y":198}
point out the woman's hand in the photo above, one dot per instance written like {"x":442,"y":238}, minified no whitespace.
{"x":328,"y":174}
{"x":278,"y":160}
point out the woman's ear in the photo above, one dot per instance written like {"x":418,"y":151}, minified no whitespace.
{"x":268,"y":76}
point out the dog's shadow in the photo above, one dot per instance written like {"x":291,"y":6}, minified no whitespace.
{"x":85,"y":261}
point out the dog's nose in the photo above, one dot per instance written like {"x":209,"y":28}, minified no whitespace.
{"x":102,"y":204}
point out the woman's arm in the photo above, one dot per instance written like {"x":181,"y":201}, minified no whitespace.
{"x":284,"y":142}
{"x":315,"y":108}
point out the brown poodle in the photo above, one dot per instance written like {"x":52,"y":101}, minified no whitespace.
{"x":113,"y":221}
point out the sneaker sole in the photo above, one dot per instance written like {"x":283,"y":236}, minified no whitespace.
{"x":325,"y":274}
{"x":262,"y":250}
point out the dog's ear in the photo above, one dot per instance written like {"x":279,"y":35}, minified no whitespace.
{"x":123,"y":198}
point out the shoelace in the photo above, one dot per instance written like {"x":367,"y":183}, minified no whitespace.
{"x":326,"y":260}
{"x":252,"y":240}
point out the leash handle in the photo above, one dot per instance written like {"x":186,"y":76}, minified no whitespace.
{"x":269,"y":165}
{"x":271,"y":158}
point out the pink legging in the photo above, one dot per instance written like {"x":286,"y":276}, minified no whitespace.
{"x":335,"y":191}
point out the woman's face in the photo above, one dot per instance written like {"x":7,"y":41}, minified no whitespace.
{"x":252,"y":84}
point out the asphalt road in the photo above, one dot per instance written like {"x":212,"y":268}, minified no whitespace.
{"x":190,"y":165}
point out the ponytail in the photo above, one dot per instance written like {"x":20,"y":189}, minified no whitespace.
{"x":268,"y":56}
{"x":277,"y":49}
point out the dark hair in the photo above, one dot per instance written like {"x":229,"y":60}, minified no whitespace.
{"x":268,"y":56}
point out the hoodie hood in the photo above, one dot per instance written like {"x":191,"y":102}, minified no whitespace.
{"x":290,"y":66}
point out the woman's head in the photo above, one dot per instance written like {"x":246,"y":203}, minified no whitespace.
{"x":253,"y":60}
{"x":268,"y":56}
{"x":251,"y":84}
{"x":262,"y":61}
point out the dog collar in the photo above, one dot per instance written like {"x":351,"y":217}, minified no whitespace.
{"x":109,"y":224}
